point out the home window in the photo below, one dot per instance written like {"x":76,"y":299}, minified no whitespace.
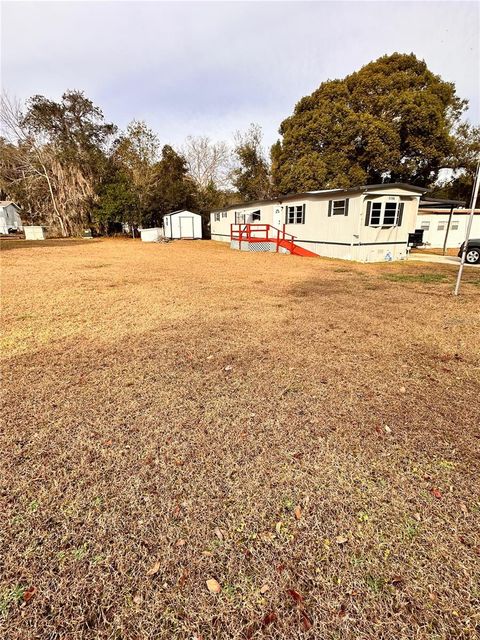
{"x":425,"y":225}
{"x":239,"y":218}
{"x":295,"y":214}
{"x":256,"y":216}
{"x":441,"y":226}
{"x":376,"y":214}
{"x":384,"y":214}
{"x":217,"y":217}
{"x":166,"y":222}
{"x":390,"y":214}
{"x":455,"y":225}
{"x":339,"y":207}
{"x":224,"y":214}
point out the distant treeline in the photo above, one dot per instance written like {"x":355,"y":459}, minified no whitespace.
{"x":391,"y":121}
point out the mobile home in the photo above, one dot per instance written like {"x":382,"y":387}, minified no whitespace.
{"x":370,"y":223}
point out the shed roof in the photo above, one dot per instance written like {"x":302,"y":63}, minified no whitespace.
{"x":181,"y":211}
{"x":5,"y":203}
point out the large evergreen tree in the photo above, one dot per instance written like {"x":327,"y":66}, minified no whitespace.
{"x":393,"y":120}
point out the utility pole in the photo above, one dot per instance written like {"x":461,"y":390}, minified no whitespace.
{"x":473,"y":202}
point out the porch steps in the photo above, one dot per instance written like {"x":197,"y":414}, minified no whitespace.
{"x":297,"y":250}
{"x":265,"y":237}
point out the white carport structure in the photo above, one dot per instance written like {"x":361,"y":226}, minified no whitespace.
{"x":182,"y":224}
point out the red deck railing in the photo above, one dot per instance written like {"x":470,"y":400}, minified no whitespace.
{"x":262,"y":233}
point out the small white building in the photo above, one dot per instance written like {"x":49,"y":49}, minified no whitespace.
{"x":370,"y":223}
{"x":446,"y":226}
{"x":182,"y":224}
{"x":151,"y":235}
{"x":9,"y":217}
{"x":35,"y":232}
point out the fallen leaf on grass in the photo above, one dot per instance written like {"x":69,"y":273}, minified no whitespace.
{"x":218,"y":533}
{"x":29,"y":593}
{"x":269,"y":618}
{"x":296,"y":597}
{"x":264,"y":588}
{"x":436,"y":492}
{"x":138,"y":599}
{"x":155,"y":568}
{"x":181,"y":542}
{"x":213,"y":586}
{"x":183,"y":578}
{"x":397,"y":581}
{"x":463,"y":508}
{"x":341,"y":539}
{"x":307,"y":623}
{"x":228,"y":367}
{"x":298,"y":512}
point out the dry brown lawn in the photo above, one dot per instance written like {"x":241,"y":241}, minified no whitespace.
{"x":303,"y":431}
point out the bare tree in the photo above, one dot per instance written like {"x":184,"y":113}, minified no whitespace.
{"x":208,"y":162}
{"x":30,"y":160}
{"x":55,"y":157}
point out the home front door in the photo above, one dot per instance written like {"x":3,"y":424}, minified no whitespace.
{"x":277,"y":218}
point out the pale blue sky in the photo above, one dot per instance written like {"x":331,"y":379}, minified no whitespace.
{"x":214,"y":67}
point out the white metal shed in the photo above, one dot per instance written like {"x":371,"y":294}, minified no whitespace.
{"x":182,"y":224}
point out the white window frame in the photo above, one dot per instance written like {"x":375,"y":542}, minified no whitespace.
{"x":455,"y":225}
{"x":441,"y":225}
{"x":217,"y":217}
{"x":425,"y":225}
{"x":166,"y":222}
{"x":295,"y":214}
{"x":224,"y":214}
{"x":381,"y":215}
{"x":339,"y":207}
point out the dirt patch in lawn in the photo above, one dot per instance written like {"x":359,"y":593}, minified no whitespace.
{"x":302,"y":434}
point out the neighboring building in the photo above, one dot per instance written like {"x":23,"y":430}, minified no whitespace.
{"x":35,"y":233}
{"x":9,"y":217}
{"x":182,"y":224}
{"x":151,"y":235}
{"x":369,"y":223}
{"x":444,"y":223}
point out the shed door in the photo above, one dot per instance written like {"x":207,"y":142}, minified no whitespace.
{"x":186,"y":227}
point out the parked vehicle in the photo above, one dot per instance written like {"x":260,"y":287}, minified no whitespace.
{"x":473,"y":251}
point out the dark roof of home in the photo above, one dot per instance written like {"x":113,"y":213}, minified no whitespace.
{"x":326,"y":192}
{"x":439,"y":203}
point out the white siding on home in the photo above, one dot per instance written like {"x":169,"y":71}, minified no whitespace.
{"x":434,"y":224}
{"x":345,"y":236}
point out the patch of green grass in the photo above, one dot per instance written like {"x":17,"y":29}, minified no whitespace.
{"x":14,"y":595}
{"x":80,"y":552}
{"x":424,"y":278}
{"x":375,"y":584}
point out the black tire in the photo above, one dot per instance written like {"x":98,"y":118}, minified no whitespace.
{"x":473,"y":255}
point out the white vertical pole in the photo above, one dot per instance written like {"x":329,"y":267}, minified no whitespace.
{"x":469,"y":228}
